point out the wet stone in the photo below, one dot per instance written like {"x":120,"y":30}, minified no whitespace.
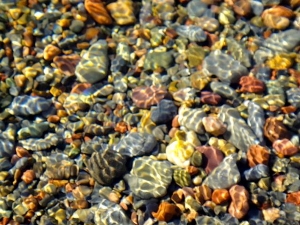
{"x":136,"y":144}
{"x":192,"y":32}
{"x":149,"y":178}
{"x":36,"y":144}
{"x":257,"y":172}
{"x":106,"y":166}
{"x":293,"y":96}
{"x":6,"y":147}
{"x":196,"y":8}
{"x":29,"y":105}
{"x":93,"y":65}
{"x":223,"y":89}
{"x":207,"y":220}
{"x":155,"y":60}
{"x":226,"y":68}
{"x":238,"y":132}
{"x":284,"y":41}
{"x":225,"y":175}
{"x":256,"y":119}
{"x":110,"y":213}
{"x":192,"y":119}
{"x":164,"y":112}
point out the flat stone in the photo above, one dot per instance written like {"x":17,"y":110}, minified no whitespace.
{"x":93,"y":65}
{"x":225,"y":175}
{"x":224,"y":66}
{"x":136,"y":144}
{"x":238,"y":132}
{"x":149,"y":178}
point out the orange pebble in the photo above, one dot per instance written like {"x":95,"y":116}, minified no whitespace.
{"x":220,"y":196}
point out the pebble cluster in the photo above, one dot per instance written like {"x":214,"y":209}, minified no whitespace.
{"x":149,"y":112}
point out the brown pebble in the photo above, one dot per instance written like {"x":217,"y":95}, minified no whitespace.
{"x":239,"y":205}
{"x":285,"y":147}
{"x":293,"y":198}
{"x":91,"y":33}
{"x":53,"y":119}
{"x":98,"y":11}
{"x":67,"y":63}
{"x":257,"y":154}
{"x":28,"y":176}
{"x":274,"y":129}
{"x":28,"y":37}
{"x":220,"y":196}
{"x":51,"y":51}
{"x":22,"y":152}
{"x":166,"y":212}
{"x":251,"y":84}
{"x":242,"y":7}
{"x":213,"y":156}
{"x":79,"y":204}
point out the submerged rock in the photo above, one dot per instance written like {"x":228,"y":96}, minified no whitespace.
{"x":238,"y":132}
{"x":149,"y":178}
{"x":93,"y":65}
{"x":225,"y":67}
{"x":29,"y":105}
{"x":136,"y":144}
{"x":225,"y":175}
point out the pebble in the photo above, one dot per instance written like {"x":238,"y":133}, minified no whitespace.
{"x":258,"y":154}
{"x":122,"y":12}
{"x":274,"y":42}
{"x":164,"y":112}
{"x":256,"y":120}
{"x":192,"y":119}
{"x":179,"y":153}
{"x":145,"y":97}
{"x":213,"y":157}
{"x":51,"y":51}
{"x":192,"y":32}
{"x":67,"y":63}
{"x":29,"y":105}
{"x":136,"y":144}
{"x":239,"y":206}
{"x":98,"y":11}
{"x":106,"y":166}
{"x":226,"y":68}
{"x":293,"y":97}
{"x":225,"y":175}
{"x":257,"y":172}
{"x":155,"y":60}
{"x":149,"y":178}
{"x":93,"y":65}
{"x":236,"y":127}
{"x":223,"y":89}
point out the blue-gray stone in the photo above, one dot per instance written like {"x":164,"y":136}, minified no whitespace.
{"x":136,"y":144}
{"x":224,"y":66}
{"x":225,"y":175}
{"x":29,"y":105}
{"x":164,"y":112}
{"x":238,"y":133}
{"x":257,"y":172}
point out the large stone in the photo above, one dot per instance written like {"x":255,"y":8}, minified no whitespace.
{"x":224,"y":66}
{"x":149,"y":178}
{"x":93,"y":65}
{"x":238,"y":132}
{"x":225,"y":175}
{"x":136,"y":144}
